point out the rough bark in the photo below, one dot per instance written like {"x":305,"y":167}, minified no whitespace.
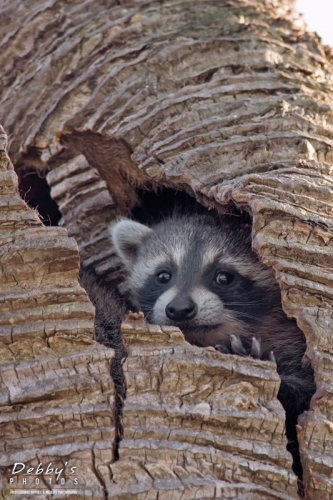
{"x":229,"y":100}
{"x":199,"y":424}
{"x":57,"y":395}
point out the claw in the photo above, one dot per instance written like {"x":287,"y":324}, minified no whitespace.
{"x":271,"y":357}
{"x":237,"y":346}
{"x":222,"y":348}
{"x":256,"y":348}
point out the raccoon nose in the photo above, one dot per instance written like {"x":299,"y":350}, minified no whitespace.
{"x":181,"y":309}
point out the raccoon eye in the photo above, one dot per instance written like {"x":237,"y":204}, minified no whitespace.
{"x":164,"y":277}
{"x":223,"y":278}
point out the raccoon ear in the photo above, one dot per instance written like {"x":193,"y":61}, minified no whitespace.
{"x":127,"y":236}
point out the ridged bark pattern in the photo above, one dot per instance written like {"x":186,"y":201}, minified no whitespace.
{"x":230,"y":101}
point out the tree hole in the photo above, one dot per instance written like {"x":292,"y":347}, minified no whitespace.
{"x":35,"y":191}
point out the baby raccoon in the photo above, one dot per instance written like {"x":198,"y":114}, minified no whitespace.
{"x":199,"y":272}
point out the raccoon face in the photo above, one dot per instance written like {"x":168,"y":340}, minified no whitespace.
{"x":195,"y":271}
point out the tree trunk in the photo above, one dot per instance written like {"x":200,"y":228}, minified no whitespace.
{"x":229,"y":101}
{"x":56,"y":392}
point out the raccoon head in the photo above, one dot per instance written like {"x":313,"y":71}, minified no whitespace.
{"x":194,"y":272}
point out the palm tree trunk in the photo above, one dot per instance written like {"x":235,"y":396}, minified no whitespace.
{"x":229,"y":101}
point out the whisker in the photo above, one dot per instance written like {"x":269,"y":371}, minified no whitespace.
{"x":245,"y":315}
{"x":249,"y":303}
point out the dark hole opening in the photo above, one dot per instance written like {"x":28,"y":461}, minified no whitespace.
{"x":155,"y":206}
{"x":165,"y":202}
{"x":34,"y":189}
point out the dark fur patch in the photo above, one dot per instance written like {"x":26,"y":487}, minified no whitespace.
{"x":110,"y":311}
{"x":148,"y":294}
{"x":245,"y":297}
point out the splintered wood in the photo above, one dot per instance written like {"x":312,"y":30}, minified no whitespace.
{"x":56,"y":402}
{"x":197,"y":423}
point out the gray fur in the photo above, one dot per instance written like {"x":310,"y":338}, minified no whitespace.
{"x":127,"y":237}
{"x":175,"y":239}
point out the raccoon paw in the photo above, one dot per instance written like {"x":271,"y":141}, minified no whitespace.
{"x":237,"y":347}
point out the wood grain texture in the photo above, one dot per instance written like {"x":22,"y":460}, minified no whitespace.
{"x":198,"y":423}
{"x":56,"y":402}
{"x":229,"y":100}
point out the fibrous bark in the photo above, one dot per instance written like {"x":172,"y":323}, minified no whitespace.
{"x":228,"y":100}
{"x":199,"y":424}
{"x":57,"y":395}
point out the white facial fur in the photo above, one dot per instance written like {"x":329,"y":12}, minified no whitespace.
{"x":159,"y":317}
{"x":143,"y":268}
{"x":210,"y":307}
